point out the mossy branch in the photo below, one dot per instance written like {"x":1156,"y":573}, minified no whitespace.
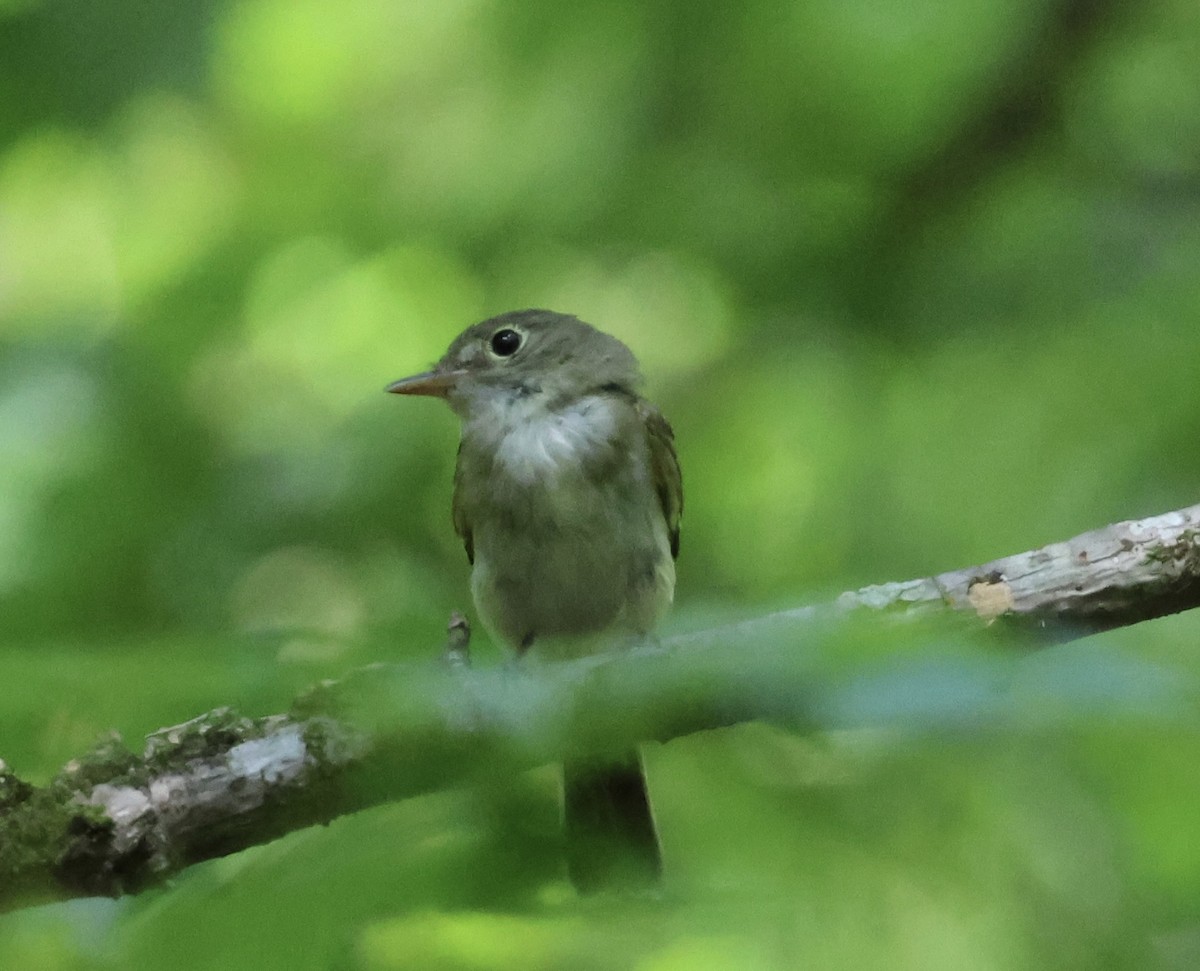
{"x":116,"y":822}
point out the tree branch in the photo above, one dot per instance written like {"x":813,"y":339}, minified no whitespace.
{"x":113,"y":822}
{"x":1112,"y":577}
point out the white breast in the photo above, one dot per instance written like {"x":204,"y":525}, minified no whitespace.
{"x":533,"y":445}
{"x":560,"y":552}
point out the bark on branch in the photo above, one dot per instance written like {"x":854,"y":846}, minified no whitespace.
{"x":1111,"y":577}
{"x":113,"y":822}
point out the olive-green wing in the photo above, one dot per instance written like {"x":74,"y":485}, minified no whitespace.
{"x":664,"y":466}
{"x":458,"y":510}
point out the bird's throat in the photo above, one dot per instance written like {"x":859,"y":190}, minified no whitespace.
{"x":531,"y":442}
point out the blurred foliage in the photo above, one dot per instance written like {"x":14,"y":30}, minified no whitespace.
{"x":916,"y":283}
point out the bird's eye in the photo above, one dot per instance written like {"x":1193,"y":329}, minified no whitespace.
{"x":506,"y":342}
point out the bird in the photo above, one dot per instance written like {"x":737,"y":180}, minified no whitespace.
{"x":567,"y":497}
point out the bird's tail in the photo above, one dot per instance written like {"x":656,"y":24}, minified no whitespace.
{"x":611,"y":840}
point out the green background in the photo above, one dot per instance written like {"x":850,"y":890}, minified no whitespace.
{"x":918,"y":284}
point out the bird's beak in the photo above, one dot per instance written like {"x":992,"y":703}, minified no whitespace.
{"x":436,"y":384}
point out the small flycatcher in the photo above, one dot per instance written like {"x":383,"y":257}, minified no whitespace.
{"x":567,"y":496}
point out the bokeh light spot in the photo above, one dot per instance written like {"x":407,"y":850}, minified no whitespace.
{"x":324,"y":334}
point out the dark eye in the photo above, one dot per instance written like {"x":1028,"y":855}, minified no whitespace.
{"x":505,"y":342}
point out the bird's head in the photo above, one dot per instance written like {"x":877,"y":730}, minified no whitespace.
{"x":525,"y":352}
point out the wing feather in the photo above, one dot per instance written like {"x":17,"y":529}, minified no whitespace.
{"x":458,"y":510}
{"x":664,"y":466}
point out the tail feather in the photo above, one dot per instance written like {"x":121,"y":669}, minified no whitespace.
{"x":611,"y":839}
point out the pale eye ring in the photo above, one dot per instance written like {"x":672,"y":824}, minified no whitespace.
{"x":506,"y":342}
